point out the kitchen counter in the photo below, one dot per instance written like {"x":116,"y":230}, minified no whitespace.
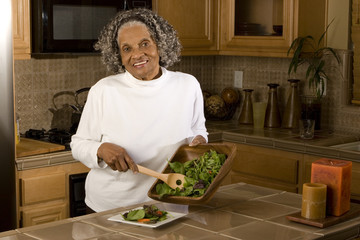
{"x":237,"y":211}
{"x":231,"y":131}
{"x":284,"y":139}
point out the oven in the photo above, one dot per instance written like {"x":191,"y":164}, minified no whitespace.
{"x":77,"y":194}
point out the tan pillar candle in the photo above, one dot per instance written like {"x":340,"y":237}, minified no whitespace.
{"x":314,"y":201}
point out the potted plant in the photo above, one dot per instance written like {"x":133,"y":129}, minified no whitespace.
{"x":312,"y":53}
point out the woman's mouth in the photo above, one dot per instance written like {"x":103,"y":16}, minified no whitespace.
{"x":140,"y":64}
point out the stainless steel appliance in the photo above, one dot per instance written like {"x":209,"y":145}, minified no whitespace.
{"x":7,"y":133}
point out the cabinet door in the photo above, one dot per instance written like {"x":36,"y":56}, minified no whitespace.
{"x":43,"y":188}
{"x":21,"y":28}
{"x":355,"y":182}
{"x":266,"y":167}
{"x":46,"y":214}
{"x":250,"y":27}
{"x":195,"y":21}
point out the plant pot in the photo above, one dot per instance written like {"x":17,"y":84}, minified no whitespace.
{"x":311,"y":109}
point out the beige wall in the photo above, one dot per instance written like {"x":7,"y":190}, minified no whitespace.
{"x":339,"y":11}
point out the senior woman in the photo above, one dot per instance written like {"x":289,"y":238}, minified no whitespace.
{"x":139,"y":115}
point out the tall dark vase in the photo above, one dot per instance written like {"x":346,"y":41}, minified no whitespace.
{"x":246,"y":115}
{"x":272,"y":116}
{"x":293,"y":107}
{"x":311,"y":109}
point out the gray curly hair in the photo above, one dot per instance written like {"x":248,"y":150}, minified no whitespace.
{"x":163,"y":34}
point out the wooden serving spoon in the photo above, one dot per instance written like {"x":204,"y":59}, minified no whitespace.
{"x":174,"y":180}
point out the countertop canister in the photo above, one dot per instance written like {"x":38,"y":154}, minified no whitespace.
{"x":272,"y":116}
{"x":246,"y":115}
{"x":293,"y":107}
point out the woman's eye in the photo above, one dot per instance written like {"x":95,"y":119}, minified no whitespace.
{"x":145,"y":44}
{"x":126,"y":49}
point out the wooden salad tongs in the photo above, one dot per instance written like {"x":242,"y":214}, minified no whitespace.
{"x":174,"y":180}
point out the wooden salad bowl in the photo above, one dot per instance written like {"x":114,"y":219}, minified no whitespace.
{"x":186,"y":153}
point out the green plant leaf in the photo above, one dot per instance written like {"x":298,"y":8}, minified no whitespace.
{"x":324,"y":33}
{"x":315,"y":73}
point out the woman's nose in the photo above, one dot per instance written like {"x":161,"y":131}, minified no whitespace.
{"x":137,"y":52}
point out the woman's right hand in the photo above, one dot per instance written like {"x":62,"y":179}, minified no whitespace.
{"x":116,"y":157}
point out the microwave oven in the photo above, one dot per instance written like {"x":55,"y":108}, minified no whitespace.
{"x":73,"y":26}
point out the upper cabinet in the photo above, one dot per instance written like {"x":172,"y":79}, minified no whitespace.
{"x":218,"y":27}
{"x":21,"y":28}
{"x":195,"y":21}
{"x":243,"y":27}
{"x":268,"y":27}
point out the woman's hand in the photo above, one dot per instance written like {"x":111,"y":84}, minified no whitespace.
{"x":116,"y":157}
{"x":197,"y":140}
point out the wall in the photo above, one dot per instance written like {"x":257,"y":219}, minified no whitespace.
{"x":339,"y":33}
{"x":37,"y":80}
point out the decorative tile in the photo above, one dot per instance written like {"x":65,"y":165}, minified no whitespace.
{"x":268,"y":231}
{"x":72,"y":230}
{"x":213,"y":72}
{"x":259,"y":209}
{"x":215,"y":220}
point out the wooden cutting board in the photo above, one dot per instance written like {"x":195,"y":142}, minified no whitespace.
{"x":28,"y":147}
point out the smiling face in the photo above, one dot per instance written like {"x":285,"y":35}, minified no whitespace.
{"x":139,"y":52}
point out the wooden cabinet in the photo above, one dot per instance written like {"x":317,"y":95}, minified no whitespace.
{"x":44,"y":193}
{"x":266,"y":167}
{"x":207,"y":27}
{"x":299,"y":18}
{"x":355,"y":182}
{"x":280,"y":169}
{"x":195,"y":21}
{"x":212,"y":26}
{"x":47,"y":213}
{"x":21,"y":29}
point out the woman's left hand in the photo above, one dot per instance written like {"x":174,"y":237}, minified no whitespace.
{"x":197,"y":140}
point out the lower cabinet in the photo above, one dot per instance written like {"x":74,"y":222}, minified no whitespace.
{"x":38,"y":215}
{"x":266,"y":167}
{"x":355,"y":182}
{"x":44,"y":193}
{"x":279,"y":169}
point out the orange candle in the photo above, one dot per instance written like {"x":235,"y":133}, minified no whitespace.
{"x":336,"y":174}
{"x":313,"y":201}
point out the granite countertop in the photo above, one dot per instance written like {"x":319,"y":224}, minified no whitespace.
{"x":237,"y":211}
{"x":232,"y":131}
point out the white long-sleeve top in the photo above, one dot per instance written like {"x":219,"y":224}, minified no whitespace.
{"x":149,"y":119}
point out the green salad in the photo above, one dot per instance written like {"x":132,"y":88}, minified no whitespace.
{"x":199,"y":174}
{"x":147,"y":214}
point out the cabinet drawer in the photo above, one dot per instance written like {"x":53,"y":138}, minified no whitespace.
{"x":45,"y":214}
{"x":269,"y":164}
{"x":237,"y":177}
{"x":43,"y":188}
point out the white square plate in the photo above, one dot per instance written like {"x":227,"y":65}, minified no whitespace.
{"x":171,"y":216}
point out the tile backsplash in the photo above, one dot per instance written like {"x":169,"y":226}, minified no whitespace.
{"x":38,"y":80}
